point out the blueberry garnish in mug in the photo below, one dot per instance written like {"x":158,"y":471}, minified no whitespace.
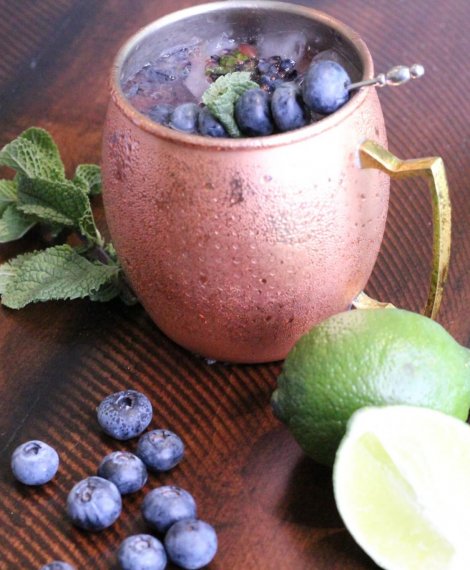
{"x":34,"y":463}
{"x":287,"y":108}
{"x":184,"y":118}
{"x":125,"y":414}
{"x":325,"y":87}
{"x":161,"y":113}
{"x":209,"y":126}
{"x":253,"y":113}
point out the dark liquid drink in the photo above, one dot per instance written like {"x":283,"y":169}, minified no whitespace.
{"x":182,"y":73}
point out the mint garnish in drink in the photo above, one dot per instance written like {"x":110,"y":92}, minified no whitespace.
{"x":221,"y":96}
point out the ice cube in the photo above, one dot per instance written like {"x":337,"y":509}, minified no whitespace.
{"x":196,"y":80}
{"x":289,"y":45}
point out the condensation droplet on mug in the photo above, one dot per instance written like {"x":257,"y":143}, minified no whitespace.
{"x":267,"y":178}
{"x":363,"y":196}
{"x":209,"y":186}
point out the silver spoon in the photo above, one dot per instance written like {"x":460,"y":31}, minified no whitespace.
{"x":395,"y":76}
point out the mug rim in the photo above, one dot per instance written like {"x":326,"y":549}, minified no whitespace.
{"x":279,"y":139}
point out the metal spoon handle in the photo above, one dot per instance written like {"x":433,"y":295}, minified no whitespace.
{"x":395,"y":76}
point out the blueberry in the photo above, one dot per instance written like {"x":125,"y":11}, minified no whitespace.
{"x":161,"y":113}
{"x":142,"y":552}
{"x":324,"y":88}
{"x":269,"y":83}
{"x":288,"y":112}
{"x":191,"y":544}
{"x":184,"y":118}
{"x":209,"y":126}
{"x":287,"y":65}
{"x":34,"y":463}
{"x":125,"y":470}
{"x":253,"y":114}
{"x":94,"y":503}
{"x":57,"y":565}
{"x":124,"y":415}
{"x":160,"y":449}
{"x":164,"y":506}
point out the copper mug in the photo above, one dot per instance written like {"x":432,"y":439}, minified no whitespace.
{"x":236,"y":247}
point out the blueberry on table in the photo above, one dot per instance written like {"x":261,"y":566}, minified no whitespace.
{"x":57,"y":565}
{"x":94,"y":504}
{"x":160,"y":449}
{"x":288,"y":112}
{"x":161,"y":113}
{"x":253,"y":113}
{"x":184,"y":118}
{"x":142,"y":552}
{"x":34,"y":463}
{"x":191,"y":544}
{"x":125,"y":415}
{"x":209,"y":126}
{"x":125,"y":470}
{"x":325,"y":86}
{"x":164,"y":506}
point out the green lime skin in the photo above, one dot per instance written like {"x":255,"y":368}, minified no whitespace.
{"x":368,"y":358}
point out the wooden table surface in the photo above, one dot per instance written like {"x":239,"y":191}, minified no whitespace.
{"x":272,"y":507}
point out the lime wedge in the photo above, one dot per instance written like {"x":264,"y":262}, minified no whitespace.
{"x":402,"y":486}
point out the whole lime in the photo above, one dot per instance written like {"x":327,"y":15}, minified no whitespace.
{"x":368,"y":358}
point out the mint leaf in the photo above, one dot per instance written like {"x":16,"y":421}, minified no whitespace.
{"x":7,"y":194}
{"x":88,"y":176}
{"x":34,"y":154}
{"x":14,"y":224}
{"x":55,"y":273}
{"x":60,"y":203}
{"x":107,"y":292}
{"x":221,"y":96}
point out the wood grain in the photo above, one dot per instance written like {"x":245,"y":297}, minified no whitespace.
{"x":272,"y":507}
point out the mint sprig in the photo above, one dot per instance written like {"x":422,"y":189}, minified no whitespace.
{"x":40,"y":194}
{"x":221,"y":96}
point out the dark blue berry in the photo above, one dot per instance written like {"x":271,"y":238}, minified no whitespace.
{"x":324,"y":88}
{"x":57,"y":565}
{"x":209,"y":126}
{"x":142,"y":552}
{"x":161,"y":113}
{"x":34,"y":463}
{"x":269,"y":83}
{"x":160,"y":449}
{"x":287,"y":65}
{"x":253,"y":113}
{"x":164,"y":506}
{"x":184,"y":118}
{"x":125,"y":470}
{"x":191,"y":544}
{"x":288,"y":112}
{"x":94,"y":504}
{"x":125,"y":415}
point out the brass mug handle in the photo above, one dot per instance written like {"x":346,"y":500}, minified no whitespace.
{"x":373,"y":155}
